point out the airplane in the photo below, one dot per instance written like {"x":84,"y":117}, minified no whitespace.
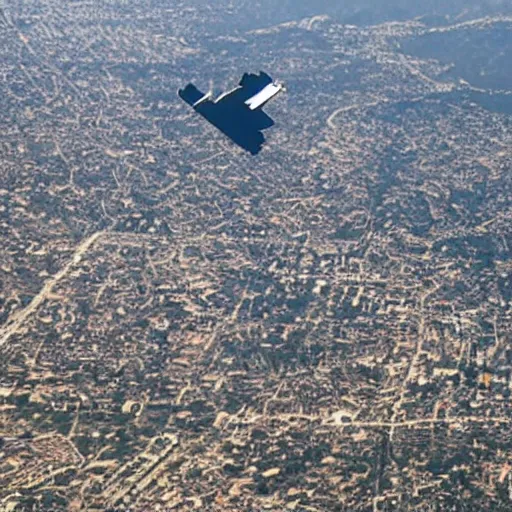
{"x":238,"y":113}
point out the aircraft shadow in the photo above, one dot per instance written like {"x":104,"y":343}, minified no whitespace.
{"x":231,"y":116}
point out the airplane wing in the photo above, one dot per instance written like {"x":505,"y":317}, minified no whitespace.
{"x":266,"y":94}
{"x":251,"y":83}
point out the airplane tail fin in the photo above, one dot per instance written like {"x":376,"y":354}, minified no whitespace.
{"x":193,"y":96}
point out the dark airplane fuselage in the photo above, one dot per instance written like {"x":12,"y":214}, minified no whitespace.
{"x":231,"y":115}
